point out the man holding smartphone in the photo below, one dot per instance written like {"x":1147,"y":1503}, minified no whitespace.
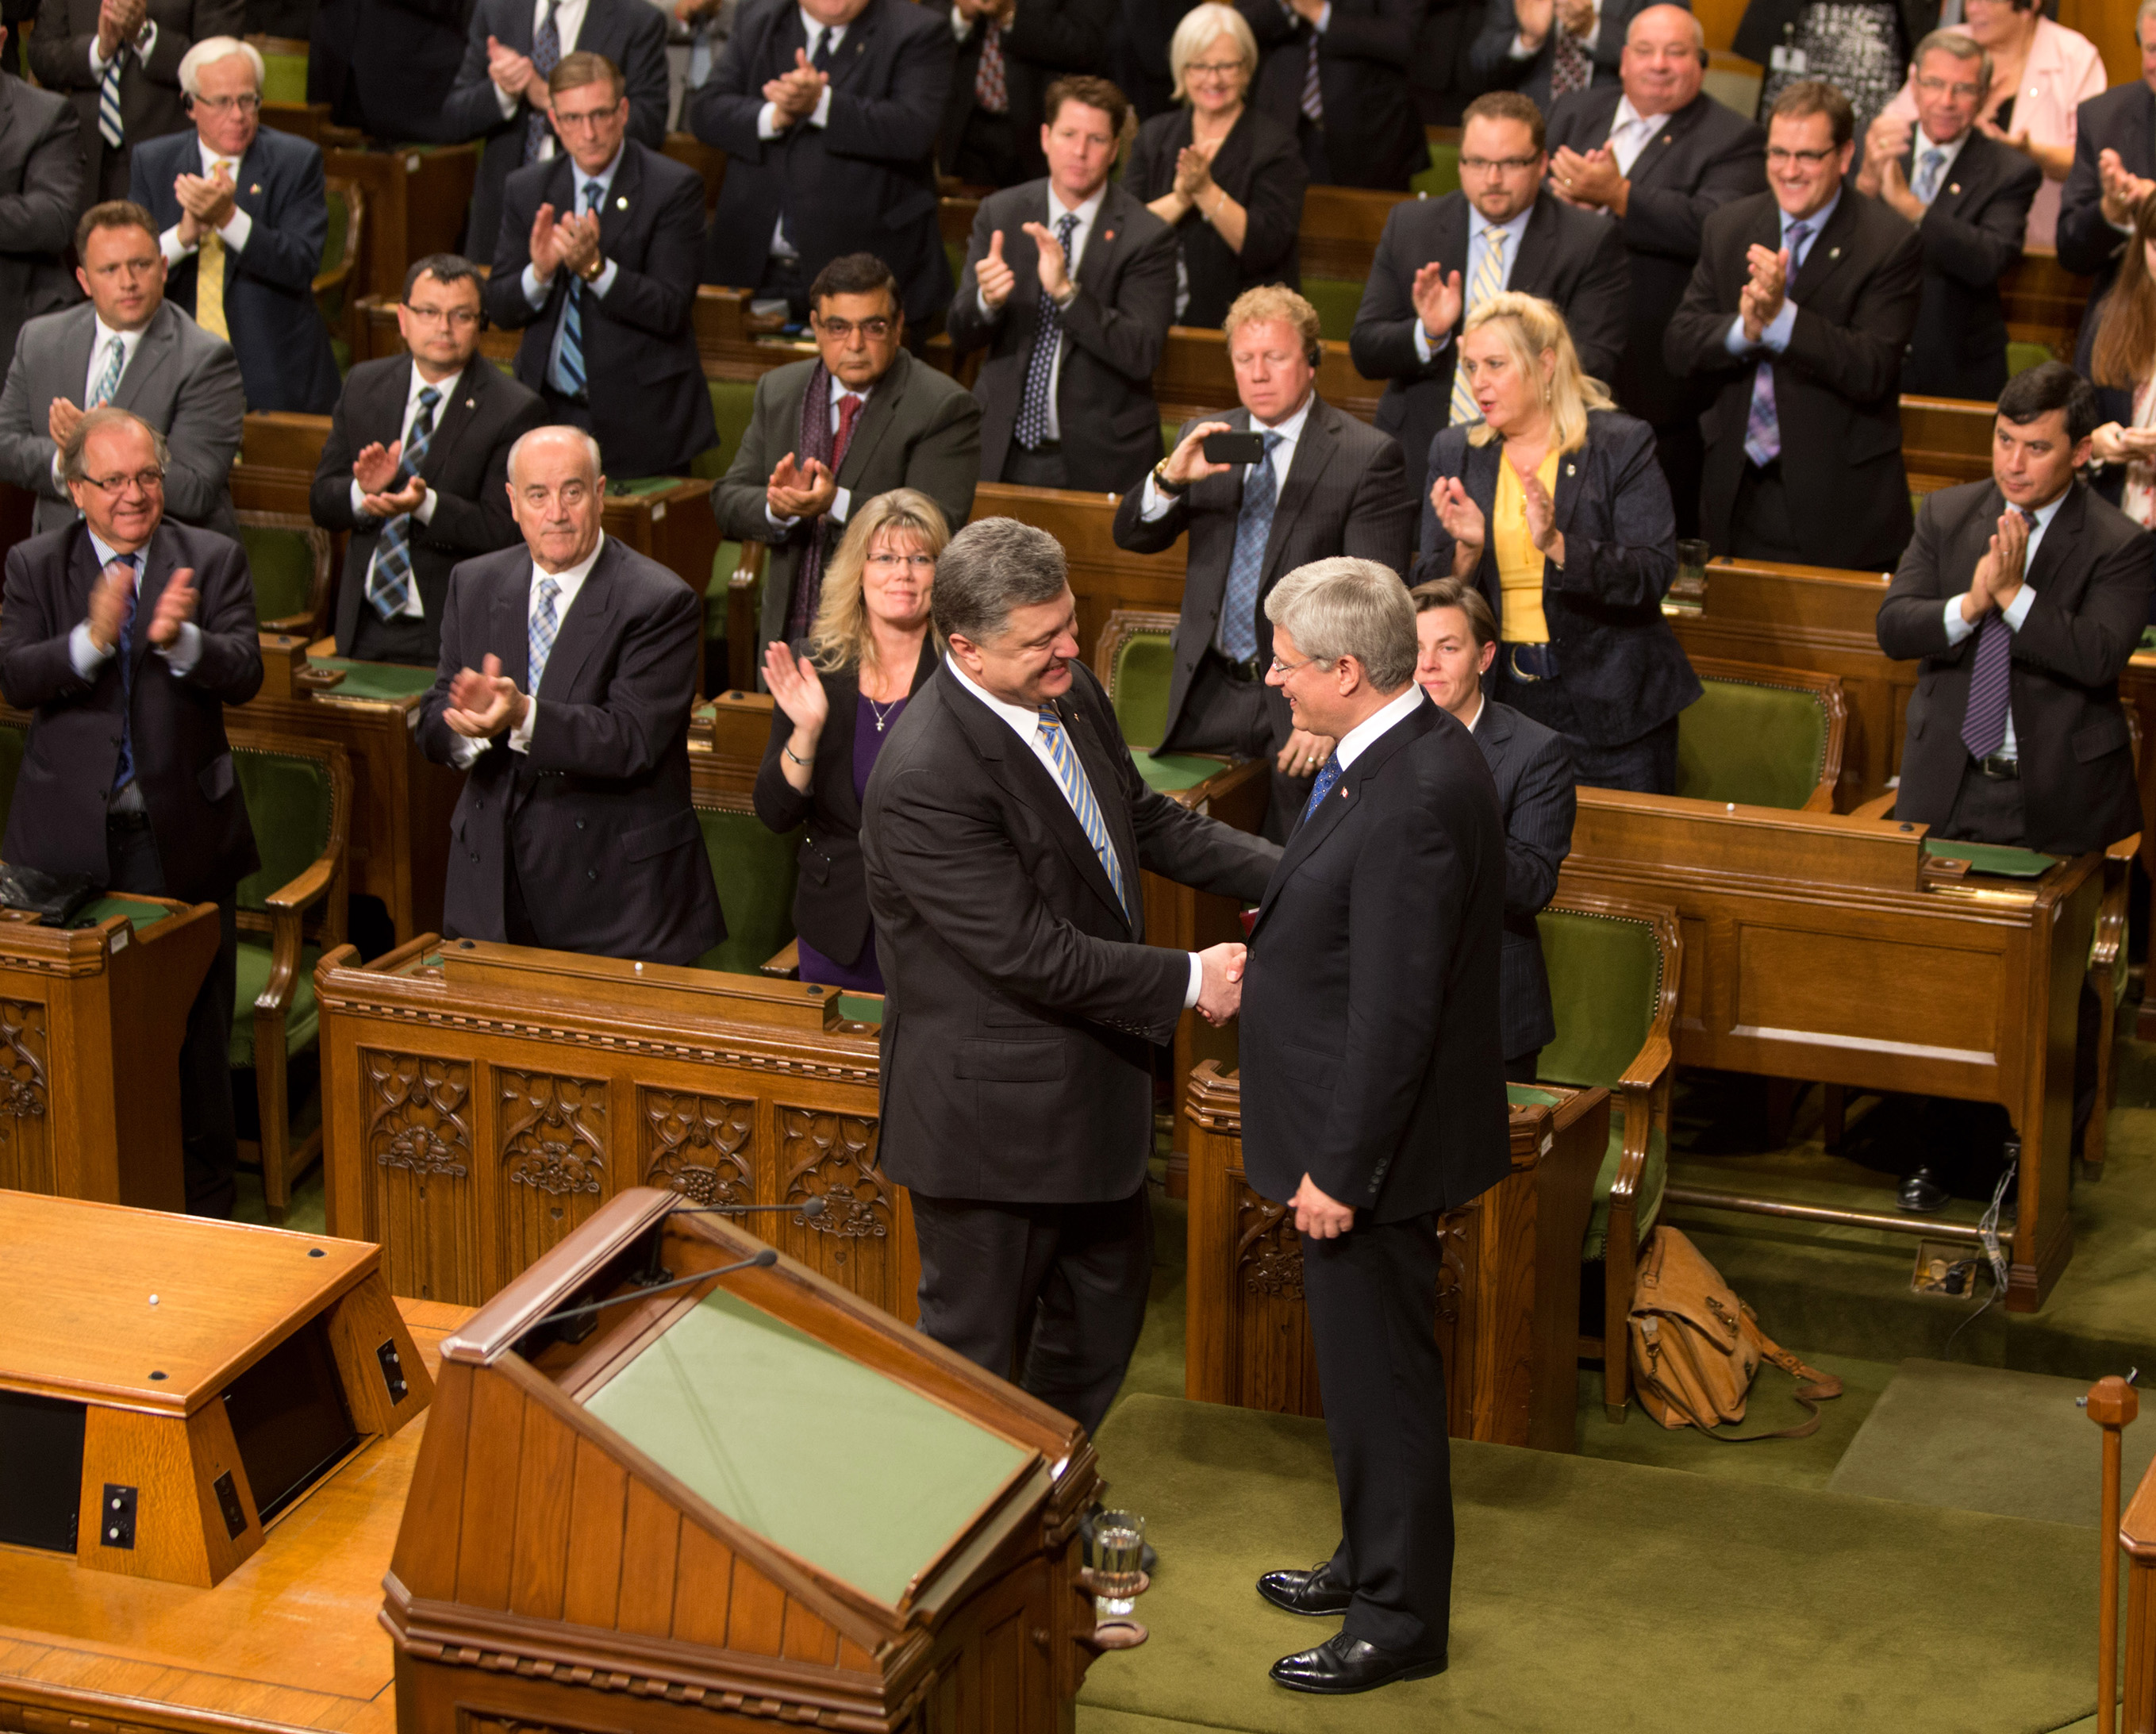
{"x":1282,"y":480}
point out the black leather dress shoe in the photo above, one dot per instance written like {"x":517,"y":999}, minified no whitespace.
{"x":1343,"y":1664}
{"x":1311,"y":1591}
{"x":1922,"y":1194}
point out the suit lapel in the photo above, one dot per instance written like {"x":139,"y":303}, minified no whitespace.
{"x":584,"y":629}
{"x":156,"y":570}
{"x":74,"y":357}
{"x":508,"y":634}
{"x":854,"y":50}
{"x":1451,"y":250}
{"x":1564,"y":497}
{"x":1661,"y":148}
{"x":2054,"y":565}
{"x":1082,"y":722}
{"x":1310,"y":835}
{"x":459,"y":405}
{"x":158,"y":341}
{"x":620,"y":207}
{"x":876,"y":419}
{"x":1536,"y":245}
{"x":1313,"y":451}
{"x":1828,"y":250}
{"x":1096,"y":269}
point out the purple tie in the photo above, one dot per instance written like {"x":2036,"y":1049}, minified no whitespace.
{"x":1990,"y":681}
{"x":1763,"y":426}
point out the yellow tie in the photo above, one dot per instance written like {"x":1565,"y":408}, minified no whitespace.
{"x":209,"y":276}
{"x":1489,"y":281}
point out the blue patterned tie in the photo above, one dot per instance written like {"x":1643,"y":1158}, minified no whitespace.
{"x":1990,"y":681}
{"x":1328,"y":774}
{"x":389,"y":585}
{"x":1763,"y":431}
{"x":1253,"y":529}
{"x":109,"y":127}
{"x":1079,"y":791}
{"x":1040,"y":372}
{"x":543,"y":623}
{"x":546,"y":55}
{"x":108,"y":381}
{"x":568,"y":376}
{"x":1927,"y":176}
{"x":129,"y":564}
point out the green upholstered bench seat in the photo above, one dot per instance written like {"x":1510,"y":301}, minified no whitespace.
{"x":1757,"y":745}
{"x":1442,"y":175}
{"x":754,"y":869}
{"x":288,"y":807}
{"x":1653,"y":1178}
{"x":284,"y":78}
{"x":383,"y":680}
{"x":1145,"y":665}
{"x":733,"y":402}
{"x":301,"y":1024}
{"x":1336,"y":300}
{"x":281,"y":562}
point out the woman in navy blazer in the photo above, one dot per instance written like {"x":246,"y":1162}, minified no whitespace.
{"x":1557,"y":489}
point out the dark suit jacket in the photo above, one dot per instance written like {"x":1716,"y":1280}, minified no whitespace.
{"x":285,"y":362}
{"x":1371,"y":1057}
{"x":1022,"y":1004}
{"x":149,"y":104}
{"x":1491,"y":67}
{"x":482,"y":414}
{"x":1047,"y":40}
{"x":388,"y":66}
{"x":651,"y":411}
{"x":1373,"y":136}
{"x":1259,"y":166}
{"x":1533,"y":769}
{"x":1622,"y":666}
{"x":610,"y":858}
{"x":1763,"y":27}
{"x":629,"y":32}
{"x":1573,"y":258}
{"x":1346,"y":493}
{"x":1114,"y":332}
{"x":1972,"y":236}
{"x":920,"y":428}
{"x":180,"y":380}
{"x":40,"y":193}
{"x":1704,"y":156}
{"x":177,"y":722}
{"x":1837,"y":388}
{"x":2123,"y":120}
{"x":2092,"y":579}
{"x":831,"y":897}
{"x":866,"y":182}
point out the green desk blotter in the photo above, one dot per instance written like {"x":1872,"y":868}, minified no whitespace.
{"x":1526,"y":1096}
{"x":640,"y":487}
{"x":861,"y":1008}
{"x":1993,"y":858}
{"x":1172,"y":772}
{"x":142,"y":915}
{"x":773,"y":1428}
{"x":377,"y":679}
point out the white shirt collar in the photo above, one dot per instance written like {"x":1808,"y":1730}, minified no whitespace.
{"x":102,"y":340}
{"x":2045,"y":513}
{"x":1818,"y":220}
{"x":604,"y":178}
{"x":1085,"y":213}
{"x":1482,"y":710}
{"x":210,"y":159}
{"x":572,"y":581}
{"x":107,"y":553}
{"x":1024,"y":723}
{"x":1924,"y":142}
{"x":1290,"y":429}
{"x":1514,"y":230}
{"x":1352,"y":745}
{"x":840,"y":389}
{"x":420,"y":383}
{"x":814,"y":28}
{"x":1627,"y":116}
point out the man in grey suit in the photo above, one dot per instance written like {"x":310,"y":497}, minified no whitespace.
{"x":1455,"y":644}
{"x":876,"y":419}
{"x":1327,"y":485}
{"x":40,"y":192}
{"x":129,"y":348}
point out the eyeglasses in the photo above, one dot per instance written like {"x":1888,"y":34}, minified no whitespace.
{"x":1938,"y":87}
{"x":1215,"y":69}
{"x":150,"y":481}
{"x":1777,"y":158}
{"x":1499,"y":164}
{"x":462,"y":318}
{"x":589,"y":119}
{"x":917,"y":562}
{"x":1285,"y":668}
{"x":246,"y":103}
{"x":875,"y":330}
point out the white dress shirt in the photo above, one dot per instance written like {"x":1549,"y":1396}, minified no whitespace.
{"x":414,"y":608}
{"x":181,"y":655}
{"x":1922,"y":142}
{"x":144,"y":46}
{"x":100,"y":344}
{"x":842,"y":502}
{"x":769,"y":126}
{"x":1057,"y":210}
{"x":1157,"y":505}
{"x":568,"y":21}
{"x":1026,"y":726}
{"x":1514,"y":232}
{"x":2013,"y":613}
{"x":1481,"y":704}
{"x":1630,"y":132}
{"x":1776,"y":333}
{"x":571,"y":581}
{"x":233,"y":231}
{"x":1352,"y":745}
{"x":536,"y":292}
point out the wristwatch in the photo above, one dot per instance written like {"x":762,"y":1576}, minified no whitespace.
{"x":1160,"y":480}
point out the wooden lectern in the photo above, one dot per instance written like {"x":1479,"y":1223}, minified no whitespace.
{"x":91,"y":1019}
{"x":754,"y":1500}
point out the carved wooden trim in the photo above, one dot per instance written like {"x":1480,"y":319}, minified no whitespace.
{"x":698,"y":1146}
{"x":1268,"y":1250}
{"x":832,"y":1155}
{"x":417,"y":1117}
{"x":552,"y":1132}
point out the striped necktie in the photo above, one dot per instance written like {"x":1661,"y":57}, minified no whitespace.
{"x":1927,"y":175}
{"x":1991,"y":679}
{"x":1489,"y":281}
{"x":568,"y":376}
{"x":546,"y":55}
{"x":389,"y":584}
{"x":1078,"y":790}
{"x":543,"y":626}
{"x":109,"y":127}
{"x":108,"y":381}
{"x":1246,"y":565}
{"x":1032,"y":430}
{"x":209,"y":275}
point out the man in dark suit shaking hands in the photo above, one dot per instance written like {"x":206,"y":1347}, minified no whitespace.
{"x":1004,"y":832}
{"x":127,"y":635}
{"x":1374,"y":1094}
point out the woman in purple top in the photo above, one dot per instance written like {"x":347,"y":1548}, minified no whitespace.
{"x":838,"y":693}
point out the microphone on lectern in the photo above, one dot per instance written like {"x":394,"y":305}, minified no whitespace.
{"x":811,"y":1208}
{"x":763,"y":1261}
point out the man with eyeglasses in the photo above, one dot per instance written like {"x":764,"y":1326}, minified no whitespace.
{"x":128,"y":346}
{"x":597,"y":264}
{"x":126,"y":635}
{"x":1438,"y":258}
{"x":1797,"y":316}
{"x":416,"y":467}
{"x":1968,"y":196}
{"x":1659,"y":155}
{"x":242,"y":218}
{"x":827,"y":436}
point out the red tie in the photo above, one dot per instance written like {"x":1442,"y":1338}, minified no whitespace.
{"x":850,"y":409}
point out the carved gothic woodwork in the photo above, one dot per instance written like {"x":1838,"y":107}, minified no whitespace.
{"x":553,"y":1133}
{"x":25,"y":1161}
{"x":832,"y":1156}
{"x":696,"y":1145}
{"x":419,"y":1144}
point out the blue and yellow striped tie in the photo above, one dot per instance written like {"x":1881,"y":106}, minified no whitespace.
{"x":1079,"y":791}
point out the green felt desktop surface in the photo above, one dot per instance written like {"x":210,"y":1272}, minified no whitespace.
{"x":1526,"y":1096}
{"x":1994,"y":858}
{"x":775,"y":1430}
{"x":861,"y":1008}
{"x":640,"y":487}
{"x":1171,"y":772}
{"x":377,"y":679}
{"x":142,"y":915}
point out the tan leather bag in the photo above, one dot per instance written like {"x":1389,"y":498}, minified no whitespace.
{"x":1696,"y":1346}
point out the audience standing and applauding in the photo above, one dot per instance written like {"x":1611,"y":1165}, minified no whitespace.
{"x":2114,"y":170}
{"x":2123,"y":368}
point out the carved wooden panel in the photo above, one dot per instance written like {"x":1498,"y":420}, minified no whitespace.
{"x":1277,"y":1362}
{"x":832,"y":1157}
{"x":698,"y":1146}
{"x":421,"y":1206}
{"x":26,"y":1154}
{"x":1457,"y":1322}
{"x":552,"y":1134}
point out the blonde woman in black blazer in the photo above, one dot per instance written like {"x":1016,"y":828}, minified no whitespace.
{"x":837,"y":694}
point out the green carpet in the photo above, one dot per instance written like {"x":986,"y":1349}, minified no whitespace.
{"x":1981,"y":1439}
{"x":1797,"y":1611}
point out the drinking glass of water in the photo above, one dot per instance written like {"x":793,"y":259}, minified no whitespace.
{"x":1118,"y":1549}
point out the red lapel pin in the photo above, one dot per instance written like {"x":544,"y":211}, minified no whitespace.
{"x":1109,"y":236}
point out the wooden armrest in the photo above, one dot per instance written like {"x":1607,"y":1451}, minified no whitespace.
{"x":785,"y":964}
{"x":1653,"y":1059}
{"x":303,"y":892}
{"x":285,"y":943}
{"x":1820,"y":800}
{"x":1878,"y":807}
{"x":2126,"y":848}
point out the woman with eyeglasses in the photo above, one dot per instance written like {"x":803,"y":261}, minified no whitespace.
{"x":1555,"y":508}
{"x":1227,"y":180}
{"x":838,"y":693}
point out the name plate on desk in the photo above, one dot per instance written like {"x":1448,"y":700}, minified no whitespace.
{"x":656,"y":989}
